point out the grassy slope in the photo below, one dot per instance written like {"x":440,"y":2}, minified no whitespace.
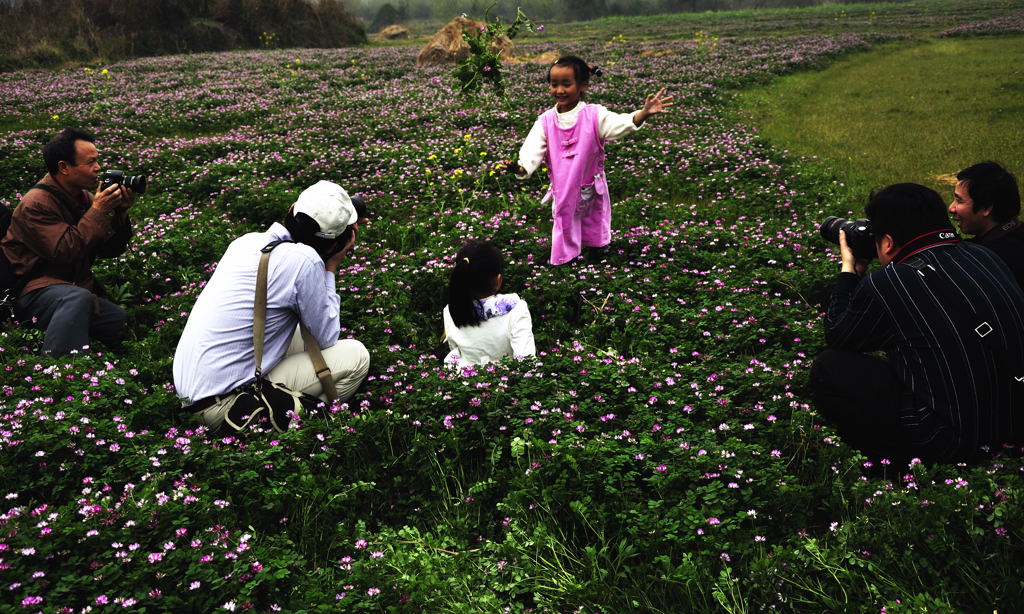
{"x":904,"y":113}
{"x":920,"y":17}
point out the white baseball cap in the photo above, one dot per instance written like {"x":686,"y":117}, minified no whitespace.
{"x":329,"y":205}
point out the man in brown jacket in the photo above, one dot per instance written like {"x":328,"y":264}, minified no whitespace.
{"x":57,"y":231}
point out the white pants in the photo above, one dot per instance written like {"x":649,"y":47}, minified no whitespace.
{"x":347,"y":359}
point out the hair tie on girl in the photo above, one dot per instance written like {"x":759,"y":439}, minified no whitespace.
{"x":595,"y":70}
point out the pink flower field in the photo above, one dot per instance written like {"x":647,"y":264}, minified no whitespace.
{"x":659,"y":454}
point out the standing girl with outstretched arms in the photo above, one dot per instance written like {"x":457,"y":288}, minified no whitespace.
{"x":570,"y":138}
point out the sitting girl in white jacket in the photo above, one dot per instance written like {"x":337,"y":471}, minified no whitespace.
{"x":481,"y":325}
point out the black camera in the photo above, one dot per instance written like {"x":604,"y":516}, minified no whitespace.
{"x":360,"y":206}
{"x":136,"y":183}
{"x":859,"y":236}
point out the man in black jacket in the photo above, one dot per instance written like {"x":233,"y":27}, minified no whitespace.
{"x":950,"y":320}
{"x":986,"y":203}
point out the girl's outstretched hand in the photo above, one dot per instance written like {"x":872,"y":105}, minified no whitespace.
{"x":654,"y":103}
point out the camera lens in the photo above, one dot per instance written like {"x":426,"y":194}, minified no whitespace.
{"x":829,"y":229}
{"x":859,"y":236}
{"x":137,"y":183}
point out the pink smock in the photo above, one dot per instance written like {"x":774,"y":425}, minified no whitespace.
{"x":581,"y":208}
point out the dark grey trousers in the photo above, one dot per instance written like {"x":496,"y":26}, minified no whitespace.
{"x":71,"y":316}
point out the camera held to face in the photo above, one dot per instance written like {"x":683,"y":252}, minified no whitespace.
{"x":361,"y":215}
{"x":859,"y":236}
{"x":136,"y":183}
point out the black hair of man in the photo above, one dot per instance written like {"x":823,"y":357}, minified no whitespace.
{"x":906,"y":211}
{"x":303,"y":229}
{"x":991,"y":185}
{"x":62,"y":148}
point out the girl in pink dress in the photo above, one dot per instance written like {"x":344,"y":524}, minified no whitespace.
{"x":570,"y":138}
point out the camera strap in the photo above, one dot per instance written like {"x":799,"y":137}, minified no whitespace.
{"x":62,"y":198}
{"x":925,"y":241}
{"x":259,"y":322}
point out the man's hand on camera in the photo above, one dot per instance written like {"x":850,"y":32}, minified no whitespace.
{"x":127,"y":197}
{"x":334,"y":261}
{"x":111,"y":198}
{"x":851,"y":264}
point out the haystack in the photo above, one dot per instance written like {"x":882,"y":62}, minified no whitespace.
{"x":548,"y":57}
{"x":447,"y":45}
{"x":394,"y":32}
{"x":658,"y":53}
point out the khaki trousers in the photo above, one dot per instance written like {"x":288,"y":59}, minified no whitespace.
{"x":348,"y":360}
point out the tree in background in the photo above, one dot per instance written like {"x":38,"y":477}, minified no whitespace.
{"x":45,"y":33}
{"x":582,"y":10}
{"x":387,"y":15}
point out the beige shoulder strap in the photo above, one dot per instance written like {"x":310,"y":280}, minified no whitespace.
{"x":259,"y":323}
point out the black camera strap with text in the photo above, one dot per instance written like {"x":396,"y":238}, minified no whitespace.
{"x":923,"y":242}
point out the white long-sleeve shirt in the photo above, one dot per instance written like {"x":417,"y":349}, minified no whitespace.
{"x":610,"y":126}
{"x":215,"y":353}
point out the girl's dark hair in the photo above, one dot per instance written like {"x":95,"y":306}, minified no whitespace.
{"x":476,"y":266}
{"x":580,"y":69}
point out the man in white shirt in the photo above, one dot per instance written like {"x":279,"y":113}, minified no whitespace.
{"x":216,"y":354}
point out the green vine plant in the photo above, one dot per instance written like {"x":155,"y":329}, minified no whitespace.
{"x":483,"y":64}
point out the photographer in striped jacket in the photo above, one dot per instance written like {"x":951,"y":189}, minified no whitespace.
{"x":949,"y":316}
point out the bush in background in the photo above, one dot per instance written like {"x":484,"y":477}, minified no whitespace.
{"x":36,"y":33}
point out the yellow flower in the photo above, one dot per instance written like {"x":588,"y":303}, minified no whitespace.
{"x":427,"y":171}
{"x":458,"y":150}
{"x":87,"y":69}
{"x":432,"y":157}
{"x":105,"y":71}
{"x":467,"y":136}
{"x":491,"y":174}
{"x":483,"y":153}
{"x":55,"y":116}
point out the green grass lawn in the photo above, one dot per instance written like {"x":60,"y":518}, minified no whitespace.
{"x":904,"y":112}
